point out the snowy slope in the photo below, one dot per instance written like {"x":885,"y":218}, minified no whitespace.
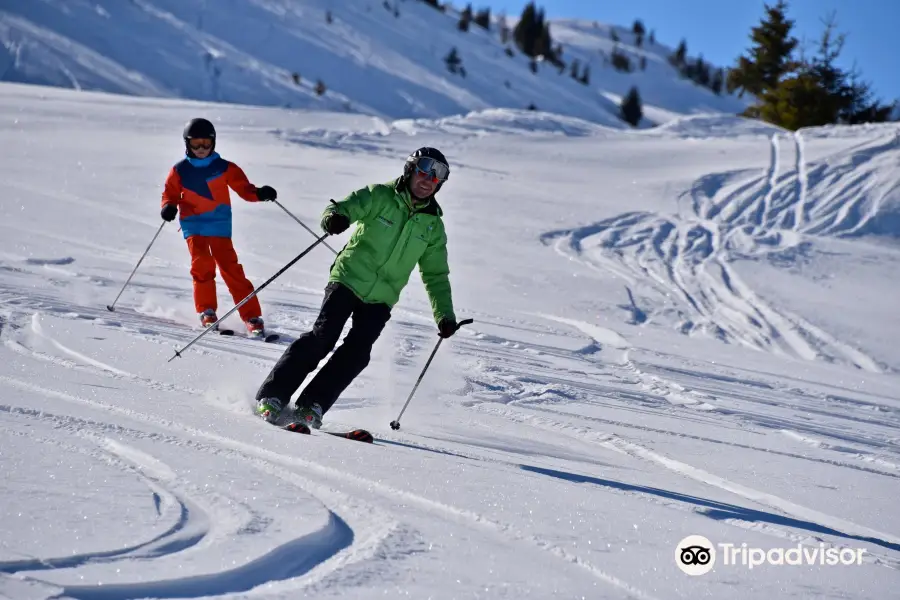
{"x":246,"y":51}
{"x":664,"y":93}
{"x":675,"y":334}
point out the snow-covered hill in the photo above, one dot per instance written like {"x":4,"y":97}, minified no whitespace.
{"x":379,"y":58}
{"x":685,"y":330}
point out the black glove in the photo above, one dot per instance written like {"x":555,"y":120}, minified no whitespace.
{"x":168,"y":212}
{"x":266,"y":193}
{"x":335,"y":223}
{"x":447,"y":327}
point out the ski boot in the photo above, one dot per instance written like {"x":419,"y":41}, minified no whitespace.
{"x":208,"y":317}
{"x":269,"y":409}
{"x":311,"y":416}
{"x":256,"y":328}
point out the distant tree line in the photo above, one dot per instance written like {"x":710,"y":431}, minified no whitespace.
{"x":795,"y":90}
{"x":792,"y":87}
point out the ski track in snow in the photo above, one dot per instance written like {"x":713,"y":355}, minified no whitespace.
{"x":315,"y":558}
{"x":530,"y":401}
{"x":608,"y":377}
{"x":306,"y":553}
{"x":298,"y":557}
{"x":189,"y":522}
{"x":352,"y":536}
{"x":688,"y":256}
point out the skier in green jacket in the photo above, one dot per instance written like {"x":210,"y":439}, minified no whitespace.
{"x":398,"y":225}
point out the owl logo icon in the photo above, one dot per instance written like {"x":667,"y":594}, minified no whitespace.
{"x":695,"y":555}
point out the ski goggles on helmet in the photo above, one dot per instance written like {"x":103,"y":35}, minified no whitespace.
{"x":197,"y":144}
{"x":437,"y":170}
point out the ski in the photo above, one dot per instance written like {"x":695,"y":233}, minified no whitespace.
{"x":296,"y":427}
{"x":359,"y":435}
{"x":269,"y":338}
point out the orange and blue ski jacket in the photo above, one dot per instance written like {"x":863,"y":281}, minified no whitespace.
{"x":199,"y":187}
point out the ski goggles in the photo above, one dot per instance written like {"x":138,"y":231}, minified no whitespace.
{"x":197,"y":144}
{"x":437,"y":170}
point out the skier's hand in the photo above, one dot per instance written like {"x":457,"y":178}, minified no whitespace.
{"x":266,"y":193}
{"x":447,"y":327}
{"x":336,"y":223}
{"x":168,"y":212}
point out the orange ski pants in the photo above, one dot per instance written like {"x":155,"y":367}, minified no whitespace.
{"x":206,"y":253}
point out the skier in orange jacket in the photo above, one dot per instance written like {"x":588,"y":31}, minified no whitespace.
{"x":197,"y":186}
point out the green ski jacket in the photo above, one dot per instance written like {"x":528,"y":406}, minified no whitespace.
{"x":390,"y":238}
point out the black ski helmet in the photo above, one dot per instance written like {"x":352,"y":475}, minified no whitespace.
{"x":425,"y":152}
{"x":199,"y":128}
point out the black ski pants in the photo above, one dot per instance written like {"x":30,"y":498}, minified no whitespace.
{"x":306,"y":352}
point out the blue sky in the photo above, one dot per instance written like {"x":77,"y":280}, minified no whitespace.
{"x":719,"y":29}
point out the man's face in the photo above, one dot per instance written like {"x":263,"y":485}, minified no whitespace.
{"x":422,"y":184}
{"x":427,"y":176}
{"x":201,"y":147}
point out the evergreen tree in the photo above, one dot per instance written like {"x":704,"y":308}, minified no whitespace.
{"x":718,"y":81}
{"x":638,"y":30}
{"x":702,"y":74}
{"x":620,"y":61}
{"x":861,"y":108}
{"x":795,"y":103}
{"x":631,"y":107}
{"x":679,"y":59}
{"x":575,"y":67}
{"x":818,"y":92}
{"x":731,"y":84}
{"x":769,"y":58}
{"x":847,"y":98}
{"x":453,"y":61}
{"x":483,"y":19}
{"x":524,"y":32}
{"x":465,"y":18}
{"x":543,"y":43}
{"x":532,"y":34}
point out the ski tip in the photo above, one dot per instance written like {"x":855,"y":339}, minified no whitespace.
{"x":360,"y":435}
{"x":226,"y":332}
{"x":272,"y":337}
{"x":297,"y":428}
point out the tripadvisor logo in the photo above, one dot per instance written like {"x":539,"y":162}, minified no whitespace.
{"x":696,"y":555}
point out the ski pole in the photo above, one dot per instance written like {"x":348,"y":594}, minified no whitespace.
{"x":302,"y":224}
{"x":112,"y":307}
{"x":250,"y":295}
{"x":396,"y":423}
